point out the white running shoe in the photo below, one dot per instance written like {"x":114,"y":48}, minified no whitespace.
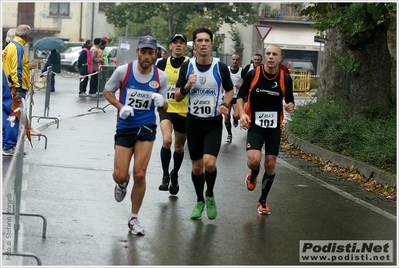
{"x":120,"y":190}
{"x":135,"y":227}
{"x":9,"y":152}
{"x":119,"y":193}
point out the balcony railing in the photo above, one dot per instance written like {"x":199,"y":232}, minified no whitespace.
{"x":281,"y":11}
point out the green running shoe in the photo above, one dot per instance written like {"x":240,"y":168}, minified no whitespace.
{"x":197,"y":212}
{"x":211,"y":211}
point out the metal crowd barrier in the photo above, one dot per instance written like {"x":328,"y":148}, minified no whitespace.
{"x":15,"y":168}
{"x":47,"y":99}
{"x":104,"y":74}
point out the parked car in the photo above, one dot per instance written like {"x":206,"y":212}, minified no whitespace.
{"x":69,"y":58}
{"x":299,"y":64}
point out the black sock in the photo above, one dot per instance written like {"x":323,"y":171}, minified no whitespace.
{"x":165,"y":160}
{"x":177,"y":160}
{"x":255,"y":172}
{"x":210,"y":179}
{"x":267,"y":182}
{"x":198,"y":182}
{"x":228,"y":127}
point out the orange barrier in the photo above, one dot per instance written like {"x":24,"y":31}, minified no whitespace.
{"x":301,"y":80}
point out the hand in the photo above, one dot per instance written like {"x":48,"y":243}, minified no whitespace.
{"x":222,"y":109}
{"x":32,"y":65}
{"x":192,"y":79}
{"x":126,"y":111}
{"x":289,"y":107}
{"x":245,"y":122}
{"x":158,"y":100}
{"x":18,"y":97}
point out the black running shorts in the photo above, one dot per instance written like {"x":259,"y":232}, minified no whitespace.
{"x":128,"y":137}
{"x":204,"y":136}
{"x":178,"y":121}
{"x":257,"y":136}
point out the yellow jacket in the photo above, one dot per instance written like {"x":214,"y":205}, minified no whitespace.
{"x":16,"y":64}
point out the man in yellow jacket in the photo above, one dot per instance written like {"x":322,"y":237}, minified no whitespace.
{"x":16,"y":62}
{"x":17,"y":71}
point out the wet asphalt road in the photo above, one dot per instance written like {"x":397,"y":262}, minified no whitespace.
{"x":70,"y":183}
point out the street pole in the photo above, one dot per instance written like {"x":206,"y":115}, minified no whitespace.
{"x":263,"y":49}
{"x":125,"y":41}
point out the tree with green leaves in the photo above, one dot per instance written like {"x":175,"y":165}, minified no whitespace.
{"x":357,"y":46}
{"x":162,"y":20}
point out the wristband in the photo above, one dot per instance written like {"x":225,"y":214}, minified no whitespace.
{"x":224,"y":104}
{"x":183,"y":91}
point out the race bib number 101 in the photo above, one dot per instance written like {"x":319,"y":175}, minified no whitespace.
{"x":266,"y":119}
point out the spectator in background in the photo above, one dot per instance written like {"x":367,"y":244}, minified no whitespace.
{"x":104,"y":54}
{"x":16,"y":73}
{"x":98,"y":60}
{"x":85,"y":65}
{"x":106,"y":38}
{"x":53,"y":60}
{"x":10,"y":36}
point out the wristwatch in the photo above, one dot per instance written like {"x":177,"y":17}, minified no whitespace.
{"x":224,"y":104}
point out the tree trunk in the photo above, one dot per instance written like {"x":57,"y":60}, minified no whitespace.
{"x":332,"y":81}
{"x":370,"y":90}
{"x":371,"y":83}
{"x":392,"y":51}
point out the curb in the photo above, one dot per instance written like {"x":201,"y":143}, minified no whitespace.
{"x":366,"y":170}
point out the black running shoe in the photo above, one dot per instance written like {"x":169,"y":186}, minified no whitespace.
{"x":165,"y":184}
{"x":174,"y":184}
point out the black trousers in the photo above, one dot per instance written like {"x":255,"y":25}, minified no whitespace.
{"x":83,"y":85}
{"x":93,"y":84}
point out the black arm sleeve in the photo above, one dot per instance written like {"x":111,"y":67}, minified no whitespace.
{"x":246,"y":84}
{"x":289,"y":95}
{"x":161,"y":64}
{"x":245,"y":71}
{"x":226,"y":78}
{"x":181,"y":82}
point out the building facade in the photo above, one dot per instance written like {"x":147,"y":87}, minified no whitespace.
{"x":70,"y":21}
{"x":79,"y":21}
{"x":292,"y":32}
